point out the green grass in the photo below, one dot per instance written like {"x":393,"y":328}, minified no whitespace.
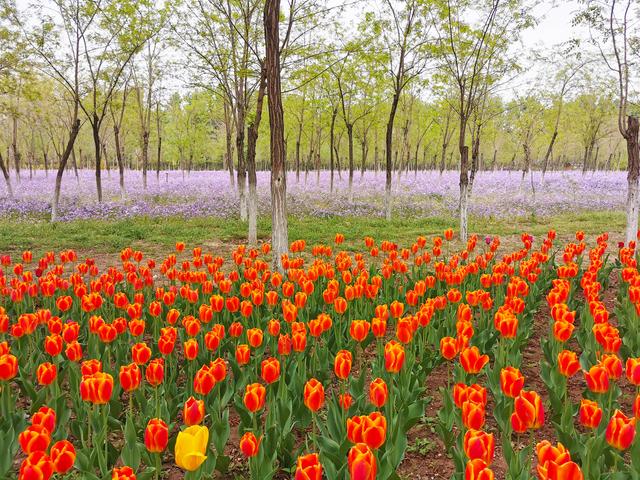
{"x":159,"y":234}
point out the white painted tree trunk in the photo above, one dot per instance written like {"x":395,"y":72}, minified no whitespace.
{"x":253,"y":215}
{"x":464,"y":207}
{"x":387,"y":202}
{"x":632,"y":209}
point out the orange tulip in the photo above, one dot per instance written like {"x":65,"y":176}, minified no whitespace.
{"x":554,"y":462}
{"x":308,"y":467}
{"x":255,"y":336}
{"x":612,"y":363}
{"x":590,"y":413}
{"x":8,"y":367}
{"x":156,"y":435}
{"x":190,"y":349}
{"x":204,"y":380}
{"x":475,"y":393}
{"x":528,"y":411}
{"x":393,"y":356}
{"x":342,"y":364}
{"x":96,"y":388}
{"x":354,"y":428}
{"x":193,"y":411}
{"x":562,"y":330}
{"x":568,"y":363}
{"x":46,"y":373}
{"x":249,"y":444}
{"x":284,"y":345}
{"x":345,"y":400}
{"x":378,"y":392}
{"x":63,"y":456}
{"x":478,"y":470}
{"x":359,"y":330}
{"x":478,"y":444}
{"x":243,"y":354}
{"x":511,"y":382}
{"x":140,"y":353}
{"x":35,"y":438}
{"x":254,"y":397}
{"x":89,"y":367}
{"x":53,"y":345}
{"x":632,"y":369}
{"x":299,"y":341}
{"x":597,"y":379}
{"x":130,"y":377}
{"x":36,"y":466}
{"x":362,"y":463}
{"x":448,"y":348}
{"x":155,"y":372}
{"x":123,"y":473}
{"x":270,"y":370}
{"x":621,"y":431}
{"x":473,"y":415}
{"x":45,"y":417}
{"x":472,"y":361}
{"x":313,"y":395}
{"x":73,"y":351}
{"x":374,"y":430}
{"x":396,"y":309}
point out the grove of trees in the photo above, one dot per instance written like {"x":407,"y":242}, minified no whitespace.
{"x":393,"y":86}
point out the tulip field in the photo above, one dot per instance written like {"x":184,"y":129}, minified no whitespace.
{"x":435,"y":359}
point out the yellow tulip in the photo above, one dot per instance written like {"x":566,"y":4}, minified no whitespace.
{"x":191,"y":446}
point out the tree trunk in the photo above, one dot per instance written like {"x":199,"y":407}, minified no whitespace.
{"x":475,"y":154}
{"x":145,"y":157}
{"x":350,"y":140}
{"x":547,"y":156}
{"x":75,"y":165}
{"x":388,"y":154}
{"x":68,"y":151}
{"x":633,"y":176}
{"x":464,"y":178}
{"x":95,"y":127}
{"x":14,"y":147}
{"x":241,"y":173}
{"x":229,"y":144}
{"x":158,"y":157}
{"x":279,"y":228}
{"x":46,"y":164}
{"x":527,"y":162}
{"x":7,"y":177}
{"x":159,"y":150}
{"x":298,"y":139}
{"x":364,"y":151}
{"x":119,"y":159}
{"x":251,"y":163}
{"x":334,"y":113}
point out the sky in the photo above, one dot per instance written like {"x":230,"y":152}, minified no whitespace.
{"x":554,"y":27}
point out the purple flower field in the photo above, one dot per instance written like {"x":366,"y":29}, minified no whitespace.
{"x":207,"y":193}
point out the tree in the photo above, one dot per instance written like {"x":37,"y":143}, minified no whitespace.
{"x":62,"y":62}
{"x":355,"y":78}
{"x":400,"y":38}
{"x":145,"y":77}
{"x":121,"y":30}
{"x":470,"y":54}
{"x":614,"y":35}
{"x":563,"y":81}
{"x":279,"y":228}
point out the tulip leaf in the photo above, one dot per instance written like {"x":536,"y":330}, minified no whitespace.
{"x":130,"y":452}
